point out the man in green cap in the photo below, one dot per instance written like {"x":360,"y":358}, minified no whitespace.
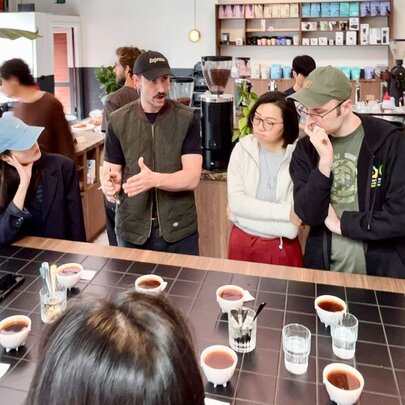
{"x":349,"y":182}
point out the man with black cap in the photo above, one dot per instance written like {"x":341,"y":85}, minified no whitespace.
{"x":349,"y":183}
{"x":152,"y":164}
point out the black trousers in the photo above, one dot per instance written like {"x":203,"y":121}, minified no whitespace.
{"x":187,"y":246}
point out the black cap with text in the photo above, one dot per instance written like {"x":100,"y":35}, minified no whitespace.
{"x":152,"y":65}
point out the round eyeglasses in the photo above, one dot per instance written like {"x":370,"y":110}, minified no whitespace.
{"x":266,"y":124}
{"x":303,"y":111}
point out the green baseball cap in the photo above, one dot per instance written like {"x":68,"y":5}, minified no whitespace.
{"x":322,"y":85}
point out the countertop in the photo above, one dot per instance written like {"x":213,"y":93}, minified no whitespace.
{"x":260,"y":377}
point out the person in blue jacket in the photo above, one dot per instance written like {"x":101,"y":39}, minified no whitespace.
{"x":39,"y":192}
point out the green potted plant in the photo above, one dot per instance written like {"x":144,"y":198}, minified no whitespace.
{"x":107,"y":79}
{"x":247,"y":99}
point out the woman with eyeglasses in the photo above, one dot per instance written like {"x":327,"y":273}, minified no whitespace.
{"x":260,"y":190}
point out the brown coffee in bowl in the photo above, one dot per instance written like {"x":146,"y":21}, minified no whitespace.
{"x":231,"y":294}
{"x":13,"y":327}
{"x":218,"y":359}
{"x":331,"y":306}
{"x":69,"y":271}
{"x":149,"y":284}
{"x":344,"y":380}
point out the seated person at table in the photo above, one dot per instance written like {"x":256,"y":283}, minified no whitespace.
{"x":39,"y":192}
{"x":135,"y":349}
{"x":260,"y":190}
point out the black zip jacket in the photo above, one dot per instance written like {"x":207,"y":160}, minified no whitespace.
{"x":380,"y":221}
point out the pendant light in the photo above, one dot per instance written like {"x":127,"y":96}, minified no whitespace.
{"x":194,"y":35}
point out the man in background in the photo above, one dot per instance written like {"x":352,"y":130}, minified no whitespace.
{"x":349,"y":185}
{"x":124,"y":64}
{"x":152,"y":164}
{"x":126,"y":56}
{"x":37,"y":108}
{"x":302,"y":66}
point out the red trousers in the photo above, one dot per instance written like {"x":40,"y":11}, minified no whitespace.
{"x":250,"y":248}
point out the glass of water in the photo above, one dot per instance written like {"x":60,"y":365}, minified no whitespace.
{"x":296,"y":346}
{"x":344,"y":336}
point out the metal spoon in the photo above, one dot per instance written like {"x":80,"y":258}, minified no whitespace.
{"x":259,"y":309}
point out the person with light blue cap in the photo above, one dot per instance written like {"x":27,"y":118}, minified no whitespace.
{"x":39,"y":192}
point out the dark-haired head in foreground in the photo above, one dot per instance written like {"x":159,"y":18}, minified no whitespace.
{"x":133,"y":350}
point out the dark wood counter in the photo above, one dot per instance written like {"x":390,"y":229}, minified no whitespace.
{"x":260,"y":377}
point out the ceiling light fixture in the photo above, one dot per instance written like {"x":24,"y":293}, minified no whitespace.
{"x":194,"y":35}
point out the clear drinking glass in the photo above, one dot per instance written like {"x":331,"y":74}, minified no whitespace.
{"x":344,"y":336}
{"x":297,"y":346}
{"x":242,"y":330}
{"x":52,"y":306}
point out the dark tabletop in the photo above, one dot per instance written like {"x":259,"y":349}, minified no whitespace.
{"x":260,"y":377}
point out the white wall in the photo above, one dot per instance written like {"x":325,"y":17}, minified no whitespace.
{"x":163,"y":25}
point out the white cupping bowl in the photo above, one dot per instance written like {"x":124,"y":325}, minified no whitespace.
{"x":339,"y":395}
{"x":327,"y":317}
{"x":15,"y":340}
{"x":71,"y":280}
{"x":218,"y":376}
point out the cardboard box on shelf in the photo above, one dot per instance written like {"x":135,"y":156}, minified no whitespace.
{"x":325,"y":9}
{"x":306,"y":10}
{"x":314,"y":41}
{"x":354,"y":23}
{"x":267,"y":12}
{"x":334,"y":9}
{"x":354,"y":9}
{"x":344,"y":9}
{"x":315,"y":9}
{"x":385,"y":36}
{"x":364,"y":34}
{"x":385,"y":8}
{"x":249,"y":11}
{"x":294,"y":10}
{"x":323,"y":41}
{"x":339,"y":37}
{"x":276,"y":10}
{"x":375,"y":7}
{"x":309,"y":26}
{"x":305,"y":41}
{"x":375,"y":36}
{"x":365,"y":10}
{"x":351,"y":37}
{"x":259,"y":11}
{"x":284,"y":10}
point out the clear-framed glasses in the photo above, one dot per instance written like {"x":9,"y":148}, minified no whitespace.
{"x":267,"y":125}
{"x":303,"y":111}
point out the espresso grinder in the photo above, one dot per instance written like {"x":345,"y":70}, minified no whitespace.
{"x":216,"y":113}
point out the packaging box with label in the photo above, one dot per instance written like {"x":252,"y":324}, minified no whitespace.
{"x":305,"y":41}
{"x":294,"y":10}
{"x":309,"y":26}
{"x":240,"y":11}
{"x":334,"y":9}
{"x":375,"y":36}
{"x":276,"y":10}
{"x":354,"y":23}
{"x":258,"y":10}
{"x":344,"y":9}
{"x":339,"y":38}
{"x":385,"y":7}
{"x":223,"y":11}
{"x":249,"y":11}
{"x":285,"y":10}
{"x":325,"y":9}
{"x":315,"y":10}
{"x":365,"y":10}
{"x":385,"y":36}
{"x":314,"y":41}
{"x":306,"y":10}
{"x":267,"y":12}
{"x":351,"y":38}
{"x":323,"y":41}
{"x":354,"y":10}
{"x":375,"y":8}
{"x":364,"y":33}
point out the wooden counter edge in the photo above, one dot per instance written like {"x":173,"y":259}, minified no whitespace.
{"x":213,"y":264}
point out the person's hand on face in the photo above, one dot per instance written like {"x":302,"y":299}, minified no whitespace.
{"x":23,"y":170}
{"x":143,"y":181}
{"x":319,"y":138}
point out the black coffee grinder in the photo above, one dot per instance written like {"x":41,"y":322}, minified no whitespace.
{"x":216,"y":113}
{"x":397,"y":82}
